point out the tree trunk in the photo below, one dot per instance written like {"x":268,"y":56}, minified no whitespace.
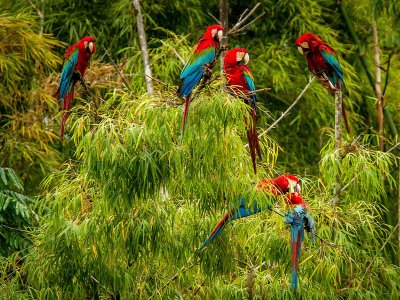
{"x":378,"y":86}
{"x":143,"y":46}
{"x":223,"y":16}
{"x":338,"y":142}
{"x":364,"y":62}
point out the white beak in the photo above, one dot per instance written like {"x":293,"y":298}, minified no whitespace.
{"x":300,"y":50}
{"x":246,"y":58}
{"x":220,"y":34}
{"x":91,"y":46}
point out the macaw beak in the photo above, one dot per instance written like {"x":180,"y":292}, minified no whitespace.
{"x":300,"y":49}
{"x":92,"y":48}
{"x":220,"y":35}
{"x":246,"y":58}
{"x":297,"y":188}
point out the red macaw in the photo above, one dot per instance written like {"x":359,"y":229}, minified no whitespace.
{"x":76,"y":60}
{"x":323,"y":62}
{"x":240,"y":79}
{"x":283,"y":185}
{"x":205,"y":51}
{"x":298,"y":216}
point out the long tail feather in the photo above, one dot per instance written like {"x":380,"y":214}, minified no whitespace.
{"x":296,"y":244}
{"x":66,"y":105}
{"x":216,"y":231}
{"x":185,"y":113}
{"x":236,"y":213}
{"x":252,"y":137}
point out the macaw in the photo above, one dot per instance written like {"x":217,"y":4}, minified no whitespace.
{"x":205,"y":51}
{"x":323,"y":62}
{"x":283,"y":185}
{"x":298,"y":216}
{"x":241,"y":81}
{"x":76,"y":60}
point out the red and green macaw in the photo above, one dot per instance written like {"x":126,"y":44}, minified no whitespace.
{"x":241,"y":81}
{"x":76,"y":61}
{"x":298,"y":216}
{"x":323,"y":62}
{"x":205,"y":51}
{"x":286,"y":184}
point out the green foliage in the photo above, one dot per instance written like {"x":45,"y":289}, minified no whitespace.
{"x":16,"y":215}
{"x":129,"y":205}
{"x":26,"y":137}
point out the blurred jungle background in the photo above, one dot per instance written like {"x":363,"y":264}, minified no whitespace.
{"x":117,"y":210}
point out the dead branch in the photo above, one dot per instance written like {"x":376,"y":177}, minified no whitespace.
{"x":243,"y":19}
{"x":215,"y":19}
{"x":248,"y":24}
{"x":284,"y":114}
{"x":116,"y":67}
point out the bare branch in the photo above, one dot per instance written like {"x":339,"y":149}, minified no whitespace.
{"x":40,"y":14}
{"x":179,"y":57}
{"x":116,"y":67}
{"x":240,"y":22}
{"x":155,"y":79}
{"x":289,"y":108}
{"x":215,"y":19}
{"x":247,"y":25}
{"x":242,"y":15}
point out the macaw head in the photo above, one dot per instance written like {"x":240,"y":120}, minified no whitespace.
{"x":287,"y":183}
{"x":236,"y":56}
{"x":87,"y":45}
{"x":307,"y":42}
{"x":214,"y":32}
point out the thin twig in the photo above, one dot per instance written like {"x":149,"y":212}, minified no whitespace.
{"x":116,"y":67}
{"x":155,"y":79}
{"x":247,"y":25}
{"x":372,"y":261}
{"x":179,"y":57}
{"x":240,"y":22}
{"x":290,"y":107}
{"x":215,"y":19}
{"x":257,"y":91}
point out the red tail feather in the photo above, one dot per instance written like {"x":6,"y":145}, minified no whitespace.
{"x":252,"y":137}
{"x":66,"y":105}
{"x":185,"y":113}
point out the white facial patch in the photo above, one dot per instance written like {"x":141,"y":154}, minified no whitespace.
{"x":85,"y":44}
{"x":246,"y":58}
{"x":239,"y":56}
{"x":292,"y":185}
{"x":214,"y":32}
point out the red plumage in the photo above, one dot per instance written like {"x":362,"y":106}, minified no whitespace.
{"x":322,"y":61}
{"x":240,"y":79}
{"x":75,"y":63}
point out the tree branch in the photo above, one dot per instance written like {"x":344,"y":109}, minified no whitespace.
{"x":116,"y":67}
{"x":243,"y":19}
{"x":289,"y":108}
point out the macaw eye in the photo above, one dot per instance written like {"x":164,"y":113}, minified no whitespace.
{"x":239,"y":56}
{"x":304,"y":45}
{"x":246,"y":58}
{"x":300,"y":50}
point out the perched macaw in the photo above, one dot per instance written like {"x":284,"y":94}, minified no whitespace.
{"x":241,"y":81}
{"x":283,"y":185}
{"x":323,"y":62}
{"x":76,"y":60}
{"x":205,"y":51}
{"x":298,"y":216}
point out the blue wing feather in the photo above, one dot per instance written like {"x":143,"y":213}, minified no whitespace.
{"x":66,"y":81}
{"x":251,"y":86}
{"x":334,"y":63}
{"x":193,"y":71}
